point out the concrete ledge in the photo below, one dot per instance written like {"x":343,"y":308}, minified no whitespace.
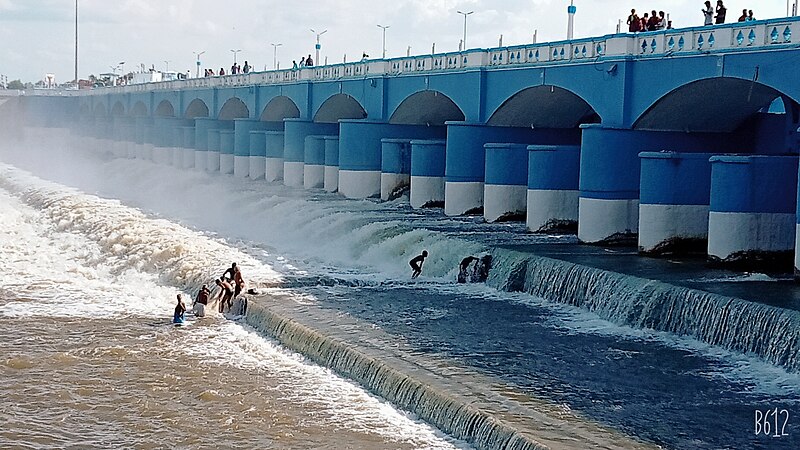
{"x":460,"y":402}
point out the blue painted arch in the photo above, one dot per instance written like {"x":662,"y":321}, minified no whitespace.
{"x":279,"y":108}
{"x":234,"y":108}
{"x":118,"y":109}
{"x":544,"y":106}
{"x":338,"y":107}
{"x":164,"y":109}
{"x":600,"y":85}
{"x":196,"y":108}
{"x":139,"y":109}
{"x":461,"y":88}
{"x":431,"y":108}
{"x":717,"y":104}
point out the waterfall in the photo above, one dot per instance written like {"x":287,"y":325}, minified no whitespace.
{"x":771,"y":333}
{"x":410,"y":390}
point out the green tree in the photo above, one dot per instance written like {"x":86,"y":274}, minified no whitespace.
{"x":16,"y":84}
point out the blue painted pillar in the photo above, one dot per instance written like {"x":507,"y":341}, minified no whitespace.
{"x":552,"y":200}
{"x":674,"y":202}
{"x":214,"y":143}
{"x":226,"y":145}
{"x":119,"y":146}
{"x":137,"y":149}
{"x":275,"y":162}
{"x":202,"y":126}
{"x":395,"y":167}
{"x":241,"y":147}
{"x":258,"y":155}
{"x":151,"y":136}
{"x":610,"y":177}
{"x":427,"y":173}
{"x":331,"y":163}
{"x":360,"y":153}
{"x":314,"y":162}
{"x":294,"y":146}
{"x":466,"y":159}
{"x":168,"y":139}
{"x":506,"y":184}
{"x":100,"y":139}
{"x":752,"y":222}
{"x":163,"y":140}
{"x":185,"y":147}
{"x":122,"y":137}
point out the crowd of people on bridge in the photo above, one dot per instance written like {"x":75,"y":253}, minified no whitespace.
{"x":235,"y":70}
{"x":655,"y":21}
{"x":304,"y":62}
{"x":652,"y":21}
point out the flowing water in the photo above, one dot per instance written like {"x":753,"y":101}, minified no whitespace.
{"x":88,"y":357}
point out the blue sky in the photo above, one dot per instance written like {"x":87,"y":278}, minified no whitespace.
{"x":36,"y":36}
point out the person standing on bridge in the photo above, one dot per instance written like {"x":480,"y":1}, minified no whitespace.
{"x":634,"y":23}
{"x":722,"y":11}
{"x":743,"y":17}
{"x":708,"y":14}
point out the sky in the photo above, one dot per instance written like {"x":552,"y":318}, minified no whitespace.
{"x":37,"y":36}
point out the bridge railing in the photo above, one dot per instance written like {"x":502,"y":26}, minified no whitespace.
{"x":742,"y":35}
{"x":765,"y":34}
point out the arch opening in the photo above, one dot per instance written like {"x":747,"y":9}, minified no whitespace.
{"x":714,"y":105}
{"x":338,"y":107}
{"x":165,"y":109}
{"x":427,"y":108}
{"x":544,"y":107}
{"x":234,"y":108}
{"x":139,"y":110}
{"x":280,"y":108}
{"x":196,"y":108}
{"x":118,"y":109}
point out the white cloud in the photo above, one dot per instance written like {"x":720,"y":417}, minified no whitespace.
{"x":38,"y":35}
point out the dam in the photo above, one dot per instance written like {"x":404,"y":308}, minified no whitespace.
{"x":679,"y":142}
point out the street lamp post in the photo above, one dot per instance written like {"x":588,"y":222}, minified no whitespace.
{"x":384,"y":38}
{"x":318,"y":47}
{"x":76,"y":44}
{"x":465,"y":14}
{"x":234,"y":55}
{"x":198,"y":54}
{"x":166,"y":61}
{"x":275,"y":55}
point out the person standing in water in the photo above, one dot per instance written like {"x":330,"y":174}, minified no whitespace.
{"x":238,"y":282}
{"x":416,"y":264}
{"x":200,"y":303}
{"x":230,"y":272}
{"x":180,"y":309}
{"x":225,"y":295}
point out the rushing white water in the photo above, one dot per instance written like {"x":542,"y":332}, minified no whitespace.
{"x":327,"y":234}
{"x":70,"y":256}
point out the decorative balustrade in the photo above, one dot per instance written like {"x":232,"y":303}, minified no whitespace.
{"x":761,"y":35}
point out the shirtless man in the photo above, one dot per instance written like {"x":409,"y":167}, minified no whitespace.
{"x":238,"y":283}
{"x":416,"y":264}
{"x":230,"y":273}
{"x":225,"y":295}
